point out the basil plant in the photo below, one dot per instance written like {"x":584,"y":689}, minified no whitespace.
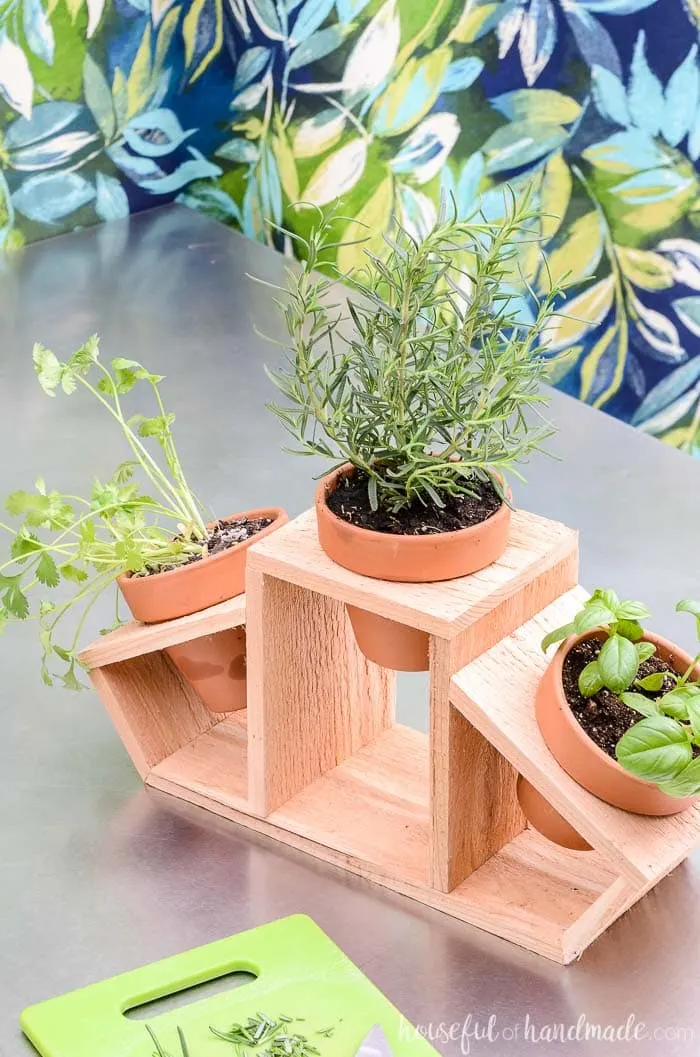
{"x":664,"y":746}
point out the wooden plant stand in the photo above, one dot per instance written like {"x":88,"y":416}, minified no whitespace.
{"x":318,"y":762}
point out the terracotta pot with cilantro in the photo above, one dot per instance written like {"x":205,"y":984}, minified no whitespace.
{"x":619,"y":708}
{"x":166,"y":559}
{"x":423,"y":388}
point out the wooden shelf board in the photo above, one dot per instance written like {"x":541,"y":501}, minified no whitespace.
{"x":370,"y":815}
{"x":543,"y":898}
{"x":496,"y":693}
{"x":446,"y":609}
{"x":135,"y":639}
{"x":213,"y":765}
{"x":372,"y":806}
{"x":533,"y":891}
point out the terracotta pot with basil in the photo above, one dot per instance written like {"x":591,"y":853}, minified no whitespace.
{"x":421,"y":385}
{"x":619,"y":708}
{"x":142,"y":527}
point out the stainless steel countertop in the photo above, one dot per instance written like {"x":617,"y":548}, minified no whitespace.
{"x":97,"y":875}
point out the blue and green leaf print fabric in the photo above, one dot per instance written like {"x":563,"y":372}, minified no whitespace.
{"x":240,"y":108}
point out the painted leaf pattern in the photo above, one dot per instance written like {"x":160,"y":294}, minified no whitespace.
{"x":240,"y":108}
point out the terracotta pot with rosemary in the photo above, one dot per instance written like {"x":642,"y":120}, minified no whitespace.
{"x":619,"y":707}
{"x":423,"y":387}
{"x":165,"y":558}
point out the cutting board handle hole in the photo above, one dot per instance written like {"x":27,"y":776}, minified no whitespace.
{"x":176,"y":999}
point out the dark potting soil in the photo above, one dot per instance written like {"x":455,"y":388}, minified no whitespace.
{"x":604,"y":717}
{"x":350,"y":501}
{"x":222,"y":535}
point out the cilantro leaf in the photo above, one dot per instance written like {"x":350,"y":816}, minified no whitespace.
{"x":49,"y":369}
{"x":14,"y":600}
{"x":24,"y":544}
{"x":46,"y":571}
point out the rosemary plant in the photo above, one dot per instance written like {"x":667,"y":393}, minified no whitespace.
{"x":81,"y":544}
{"x":425,"y":378}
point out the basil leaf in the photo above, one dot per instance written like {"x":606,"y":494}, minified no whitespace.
{"x":675,"y":702}
{"x":632,"y":611}
{"x":593,"y":615}
{"x":686,"y":783}
{"x":651,"y":682}
{"x":607,"y":596}
{"x":655,"y":749}
{"x":618,"y":663}
{"x":590,"y":681}
{"x":630,"y":629}
{"x":689,"y":605}
{"x":557,"y":636}
{"x":645,"y":650}
{"x":692,"y":606}
{"x":694,"y":716}
{"x":644,"y":705}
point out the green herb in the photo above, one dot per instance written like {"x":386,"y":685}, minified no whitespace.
{"x":266,"y":1035}
{"x":82,"y":543}
{"x":427,"y":379}
{"x":270,"y":1037}
{"x":663,"y":746}
{"x":160,"y":1052}
{"x":622,"y":652}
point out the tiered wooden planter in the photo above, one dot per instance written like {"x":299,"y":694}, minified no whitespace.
{"x":318,"y":762}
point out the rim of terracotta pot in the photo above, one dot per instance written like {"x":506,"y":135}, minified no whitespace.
{"x":665,"y":648}
{"x":414,"y":549}
{"x":146,"y":585}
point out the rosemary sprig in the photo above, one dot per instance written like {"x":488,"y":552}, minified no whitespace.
{"x":267,"y":1036}
{"x":270,"y":1037}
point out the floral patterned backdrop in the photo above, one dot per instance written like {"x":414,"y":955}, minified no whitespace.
{"x":241,"y":107}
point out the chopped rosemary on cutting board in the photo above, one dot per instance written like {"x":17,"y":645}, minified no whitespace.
{"x":268,"y":1036}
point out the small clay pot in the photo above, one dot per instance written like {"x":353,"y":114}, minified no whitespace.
{"x":406,"y":559}
{"x":191,"y":588}
{"x":546,"y":819}
{"x":581,"y":758}
{"x":214,"y":665}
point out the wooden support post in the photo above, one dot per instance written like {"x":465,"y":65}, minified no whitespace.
{"x":313,"y":699}
{"x":475,"y":810}
{"x":143,"y":696}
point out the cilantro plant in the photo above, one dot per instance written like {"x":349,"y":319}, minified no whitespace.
{"x":622,"y":651}
{"x":427,"y":377}
{"x":664,"y":746}
{"x":80,"y":544}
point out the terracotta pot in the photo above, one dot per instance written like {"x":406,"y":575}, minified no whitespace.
{"x":582,"y":759}
{"x":388,"y":643}
{"x":214,"y":665}
{"x":191,"y":588}
{"x":406,"y":559}
{"x":540,"y":814}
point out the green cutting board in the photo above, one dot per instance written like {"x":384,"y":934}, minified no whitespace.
{"x":299,"y":973}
